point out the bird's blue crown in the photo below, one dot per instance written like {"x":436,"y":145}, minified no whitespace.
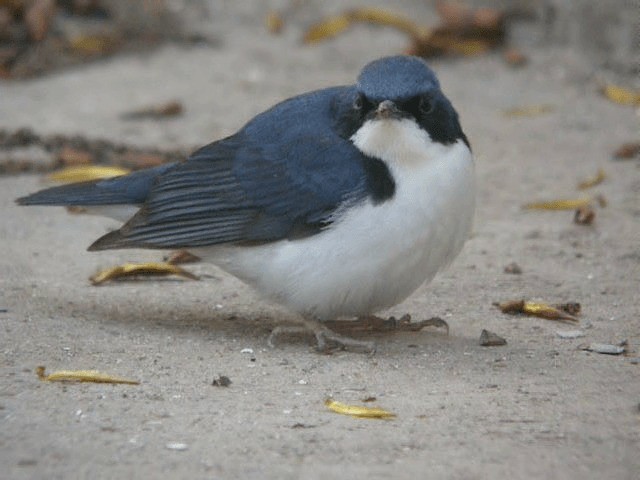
{"x":398,"y":77}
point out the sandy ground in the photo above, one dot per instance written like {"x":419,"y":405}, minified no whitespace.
{"x":536,"y":408}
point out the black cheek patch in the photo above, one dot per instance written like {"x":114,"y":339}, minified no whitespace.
{"x":380,"y":183}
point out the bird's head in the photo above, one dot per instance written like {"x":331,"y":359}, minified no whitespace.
{"x":396,"y":97}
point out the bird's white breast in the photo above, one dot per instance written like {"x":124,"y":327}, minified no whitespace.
{"x":374,"y":255}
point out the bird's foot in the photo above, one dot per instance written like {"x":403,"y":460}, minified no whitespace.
{"x":327,"y":340}
{"x":392,"y":324}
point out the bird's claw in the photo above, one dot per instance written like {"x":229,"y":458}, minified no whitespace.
{"x":327,"y":341}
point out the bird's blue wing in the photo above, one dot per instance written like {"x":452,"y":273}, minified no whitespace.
{"x":282,"y":176}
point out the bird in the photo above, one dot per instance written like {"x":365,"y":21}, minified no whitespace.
{"x":336,"y":203}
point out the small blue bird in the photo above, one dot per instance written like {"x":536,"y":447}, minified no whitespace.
{"x":335,"y":203}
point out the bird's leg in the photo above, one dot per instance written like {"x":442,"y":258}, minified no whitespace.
{"x":326,"y":340}
{"x":373,"y":323}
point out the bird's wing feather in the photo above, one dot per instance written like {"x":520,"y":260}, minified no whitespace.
{"x":283,"y":175}
{"x":130,"y":189}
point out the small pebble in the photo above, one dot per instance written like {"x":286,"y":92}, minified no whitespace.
{"x":605,"y":348}
{"x":221,"y":381}
{"x":513,"y":268}
{"x":180,"y":447}
{"x":570,"y":334}
{"x":490,"y":339}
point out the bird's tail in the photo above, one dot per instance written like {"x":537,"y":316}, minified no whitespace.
{"x":132,"y":189}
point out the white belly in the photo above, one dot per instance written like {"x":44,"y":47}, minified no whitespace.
{"x":374,"y":256}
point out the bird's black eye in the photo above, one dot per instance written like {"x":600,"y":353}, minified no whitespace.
{"x":358,"y":103}
{"x":426,"y":105}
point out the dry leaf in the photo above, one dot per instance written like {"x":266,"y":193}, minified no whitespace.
{"x":73,"y":156}
{"x":357,"y":410}
{"x":621,"y":95}
{"x":93,"y":45}
{"x":627,"y":150}
{"x":93,"y":376}
{"x":513,"y":268}
{"x":327,"y":28}
{"x":135,"y":269}
{"x":380,"y":16}
{"x":181,"y":256}
{"x":465,"y":31}
{"x":566,"y":204}
{"x":584,"y":215}
{"x":528,"y":111}
{"x":334,"y":25}
{"x":514,"y":57}
{"x":597,"y":179}
{"x":85,"y":173}
{"x":274,"y":22}
{"x":137,"y":160}
{"x":459,"y":16}
{"x":572,"y":308}
{"x":164,"y":110}
{"x":38,"y":18}
{"x":535,"y":309}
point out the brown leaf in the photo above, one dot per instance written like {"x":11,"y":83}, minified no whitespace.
{"x":584,"y":215}
{"x":73,"y":157}
{"x":38,"y":18}
{"x":627,"y":150}
{"x":181,"y":256}
{"x":572,"y":308}
{"x":458,"y":16}
{"x":513,"y":268}
{"x":164,"y":110}
{"x":514,"y":57}
{"x":137,"y":160}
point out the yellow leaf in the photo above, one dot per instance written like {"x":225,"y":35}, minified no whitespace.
{"x":543,"y":310}
{"x":621,"y":95}
{"x":334,"y":25}
{"x":85,"y":173}
{"x":274,"y":22}
{"x":566,"y":204}
{"x":92,"y":44}
{"x":357,"y":410}
{"x":380,"y":16}
{"x":597,"y":179}
{"x":467,"y":48}
{"x":538,"y":309}
{"x":133,"y":269}
{"x":327,"y":28}
{"x":93,"y":376}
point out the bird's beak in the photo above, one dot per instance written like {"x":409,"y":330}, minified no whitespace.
{"x":387,"y":109}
